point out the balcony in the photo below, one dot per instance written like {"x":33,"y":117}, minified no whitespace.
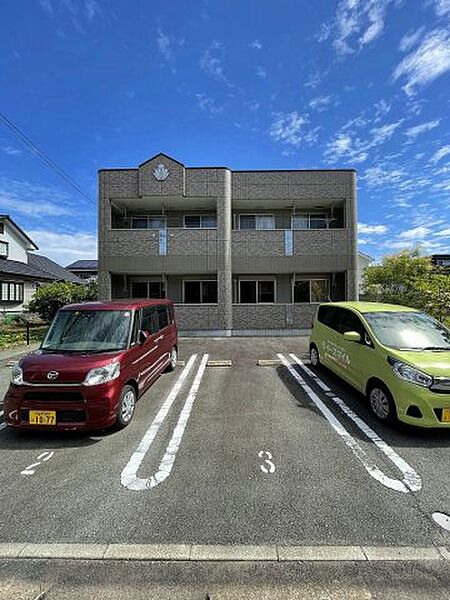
{"x":172,"y":250}
{"x":286,"y":250}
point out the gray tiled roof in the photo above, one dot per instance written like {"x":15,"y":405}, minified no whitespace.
{"x":39,"y":268}
{"x":51,"y":268}
{"x":14,"y":267}
{"x":88,"y":265}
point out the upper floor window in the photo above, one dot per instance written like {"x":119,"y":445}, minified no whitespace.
{"x":4,"y":249}
{"x":256,"y":222}
{"x":310,"y":221}
{"x":145,"y":222}
{"x":2,"y":227}
{"x":200,"y":221}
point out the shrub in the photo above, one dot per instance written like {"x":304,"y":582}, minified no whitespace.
{"x":49,"y":298}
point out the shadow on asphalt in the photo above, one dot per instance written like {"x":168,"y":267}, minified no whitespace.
{"x":399,"y":434}
{"x":14,"y":439}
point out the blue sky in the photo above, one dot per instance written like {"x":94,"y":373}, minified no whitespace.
{"x":358,"y":84}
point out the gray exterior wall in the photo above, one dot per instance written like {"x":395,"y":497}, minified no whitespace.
{"x":226,"y":253}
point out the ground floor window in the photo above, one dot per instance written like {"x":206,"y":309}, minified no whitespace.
{"x":11,"y":291}
{"x":311,"y":290}
{"x":147,"y":289}
{"x":255,"y":292}
{"x":200,"y":292}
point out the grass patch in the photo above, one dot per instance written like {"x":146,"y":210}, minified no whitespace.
{"x":16,"y":335}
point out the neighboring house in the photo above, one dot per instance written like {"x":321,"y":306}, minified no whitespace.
{"x":85,"y":269}
{"x":441,"y":260}
{"x":237,"y":251}
{"x":22,"y":271}
{"x":364,"y":260}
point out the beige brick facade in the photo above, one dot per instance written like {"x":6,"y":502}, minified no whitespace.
{"x":165,"y":187}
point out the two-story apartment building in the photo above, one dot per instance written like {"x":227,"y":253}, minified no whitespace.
{"x":237,"y":251}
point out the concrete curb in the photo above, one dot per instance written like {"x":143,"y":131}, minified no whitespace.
{"x":198,"y":553}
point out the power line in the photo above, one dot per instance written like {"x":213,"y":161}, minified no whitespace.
{"x":24,"y":139}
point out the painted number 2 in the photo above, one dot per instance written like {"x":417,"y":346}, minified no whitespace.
{"x":267,"y":466}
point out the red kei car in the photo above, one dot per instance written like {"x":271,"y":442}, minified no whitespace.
{"x":95,"y":361}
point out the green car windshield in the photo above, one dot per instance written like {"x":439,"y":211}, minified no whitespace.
{"x":408,"y":330}
{"x":88,"y":331}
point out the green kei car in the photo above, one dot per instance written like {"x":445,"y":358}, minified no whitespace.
{"x":397,"y":356}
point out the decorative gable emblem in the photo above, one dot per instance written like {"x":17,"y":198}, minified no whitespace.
{"x":161,"y":173}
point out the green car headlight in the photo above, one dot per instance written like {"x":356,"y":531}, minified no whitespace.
{"x":411,"y":374}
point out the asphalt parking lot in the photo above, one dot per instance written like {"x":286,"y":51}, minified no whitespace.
{"x":231,"y":455}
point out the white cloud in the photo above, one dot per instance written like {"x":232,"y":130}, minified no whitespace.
{"x":410,"y":39}
{"x":261,"y":72}
{"x":33,"y":208}
{"x":92,"y":9}
{"x":256,"y":45}
{"x":287,"y":127}
{"x":320,"y":103}
{"x":47,"y":6}
{"x":415,"y":234}
{"x":440,"y":153}
{"x":371,"y":229}
{"x":412,"y":132}
{"x":443,"y":233}
{"x":211,"y":62}
{"x":11,"y":151}
{"x":165,"y":46}
{"x":428,"y":62}
{"x":383,"y":133}
{"x":208,"y":104}
{"x":442,"y":7}
{"x":314,"y":79}
{"x":345,"y":145}
{"x":382,"y":107}
{"x":32,"y":199}
{"x":378,"y":176}
{"x":356,"y":23}
{"x":65,"y":248}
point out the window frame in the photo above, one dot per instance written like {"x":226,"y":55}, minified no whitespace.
{"x":17,"y":295}
{"x":257,"y":281}
{"x":6,"y":246}
{"x":200,"y":217}
{"x":310,"y":296}
{"x":256,"y":215}
{"x":309,"y":215}
{"x":183,"y":295}
{"x":147,"y":217}
{"x":147,"y":283}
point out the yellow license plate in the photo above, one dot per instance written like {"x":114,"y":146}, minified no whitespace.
{"x":446,"y":415}
{"x":42,"y":417}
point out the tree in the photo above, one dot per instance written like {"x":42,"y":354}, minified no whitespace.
{"x":410,"y":279}
{"x":395,"y":279}
{"x":49,"y":298}
{"x":433,"y":296}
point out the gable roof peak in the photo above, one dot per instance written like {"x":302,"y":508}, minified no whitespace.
{"x":162,"y":155}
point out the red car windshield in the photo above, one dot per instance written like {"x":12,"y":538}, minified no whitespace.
{"x":88,"y":331}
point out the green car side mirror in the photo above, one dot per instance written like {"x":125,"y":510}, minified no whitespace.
{"x":352,"y":336}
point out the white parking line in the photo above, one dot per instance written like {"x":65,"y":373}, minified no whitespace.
{"x":129,"y":478}
{"x":410,"y":478}
{"x":410,"y":482}
{"x":2,"y":425}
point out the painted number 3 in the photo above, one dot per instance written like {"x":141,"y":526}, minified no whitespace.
{"x":267,"y":466}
